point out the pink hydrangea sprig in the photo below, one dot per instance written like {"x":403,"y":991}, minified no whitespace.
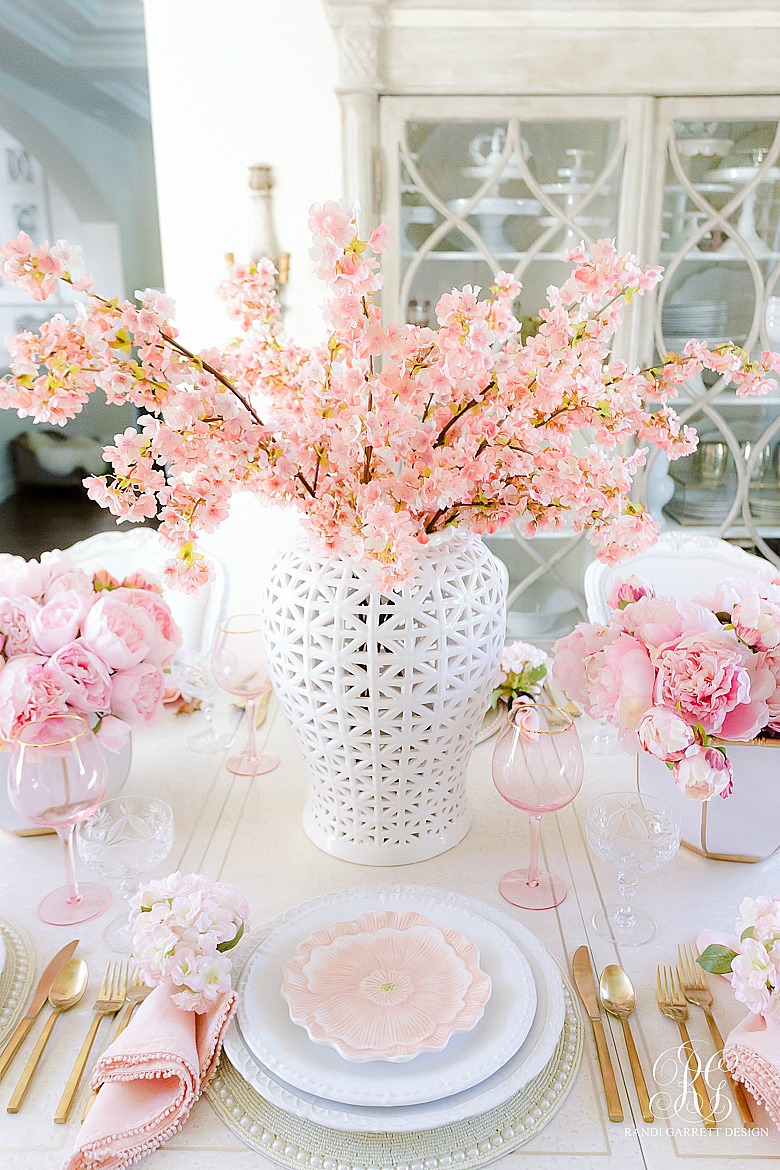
{"x":522,"y":672}
{"x":753,"y":967}
{"x":184,"y":927}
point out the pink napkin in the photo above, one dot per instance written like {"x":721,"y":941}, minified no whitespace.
{"x":151,"y":1076}
{"x":751,"y":1052}
{"x":752,"y":1055}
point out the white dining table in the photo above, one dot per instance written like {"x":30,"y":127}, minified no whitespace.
{"x":248,"y":832}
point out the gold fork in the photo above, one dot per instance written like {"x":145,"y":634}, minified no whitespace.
{"x":110,"y":999}
{"x":697,"y":992}
{"x":137,"y":991}
{"x":671,"y":1001}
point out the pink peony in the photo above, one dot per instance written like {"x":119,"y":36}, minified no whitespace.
{"x":664,"y":734}
{"x":166,"y":638}
{"x":623,"y":592}
{"x":703,"y":773}
{"x":621,"y":682}
{"x":704,"y":676}
{"x":59,"y":621}
{"x":136,"y":694}
{"x":573,"y":655}
{"x":118,"y":633}
{"x":83,"y":676}
{"x":20,"y":578}
{"x":734,"y":589}
{"x":757,"y":622}
{"x":60,"y":574}
{"x":27,"y":692}
{"x":16,"y":618}
{"x":658,"y":620}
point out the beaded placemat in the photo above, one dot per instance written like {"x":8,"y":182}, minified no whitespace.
{"x":16,"y":977}
{"x":294,"y":1142}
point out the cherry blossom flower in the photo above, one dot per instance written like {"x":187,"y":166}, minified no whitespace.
{"x":465,"y":424}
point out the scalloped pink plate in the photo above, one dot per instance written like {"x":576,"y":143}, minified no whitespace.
{"x":385,"y":986}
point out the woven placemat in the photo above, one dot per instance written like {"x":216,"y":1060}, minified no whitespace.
{"x":294,"y":1142}
{"x":16,"y":978}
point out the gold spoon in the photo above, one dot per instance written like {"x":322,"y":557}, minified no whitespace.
{"x":66,"y":991}
{"x":616,"y":992}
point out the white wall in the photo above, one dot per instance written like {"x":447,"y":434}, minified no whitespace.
{"x":232,"y":84}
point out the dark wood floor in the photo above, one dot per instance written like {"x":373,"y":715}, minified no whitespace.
{"x":36,"y":519}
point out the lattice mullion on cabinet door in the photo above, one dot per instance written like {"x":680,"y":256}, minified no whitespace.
{"x":751,"y":524}
{"x":451,"y":219}
{"x":719,"y":219}
{"x":566,"y":219}
{"x":545,"y":566}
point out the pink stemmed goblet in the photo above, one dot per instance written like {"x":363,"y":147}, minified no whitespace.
{"x":537,"y":766}
{"x":57,"y":778}
{"x":239,"y":665}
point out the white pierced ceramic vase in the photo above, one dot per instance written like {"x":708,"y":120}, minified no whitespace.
{"x":386,"y":692}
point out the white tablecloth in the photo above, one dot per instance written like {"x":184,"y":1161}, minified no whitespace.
{"x":248,"y":832}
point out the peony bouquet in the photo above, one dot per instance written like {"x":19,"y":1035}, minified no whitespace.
{"x":183,"y":927}
{"x":383,"y":434}
{"x":71,"y":641}
{"x":522,"y":672}
{"x":753,"y":967}
{"x":681,"y":678}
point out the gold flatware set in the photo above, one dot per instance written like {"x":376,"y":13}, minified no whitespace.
{"x":677,"y":987}
{"x":63,"y":985}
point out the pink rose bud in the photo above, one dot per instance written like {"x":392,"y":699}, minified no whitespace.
{"x":664,"y":734}
{"x":757,"y":622}
{"x":703,"y":773}
{"x":525,"y":718}
{"x":622,"y":593}
{"x":112,"y":734}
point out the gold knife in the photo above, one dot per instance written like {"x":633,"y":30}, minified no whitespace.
{"x":38,"y":1000}
{"x":586,"y":985}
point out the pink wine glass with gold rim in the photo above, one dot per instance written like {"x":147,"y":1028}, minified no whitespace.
{"x":538,"y":767}
{"x":240,"y":667}
{"x":57,"y":778}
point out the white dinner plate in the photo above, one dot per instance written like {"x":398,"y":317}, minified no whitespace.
{"x":286,"y":1050}
{"x":522,"y":1066}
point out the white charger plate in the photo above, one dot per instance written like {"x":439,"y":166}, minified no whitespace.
{"x":526,"y":1063}
{"x":286,"y":1050}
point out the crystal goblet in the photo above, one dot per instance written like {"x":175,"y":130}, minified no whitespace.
{"x":636,"y":834}
{"x":126,"y":838}
{"x":56,"y":778}
{"x":538,"y":767}
{"x":193,"y":675}
{"x":239,"y":664}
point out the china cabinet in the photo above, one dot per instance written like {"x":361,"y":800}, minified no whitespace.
{"x":497,"y":137}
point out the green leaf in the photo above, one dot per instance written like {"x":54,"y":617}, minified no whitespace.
{"x":231,"y":942}
{"x":748,"y":932}
{"x":717,"y":959}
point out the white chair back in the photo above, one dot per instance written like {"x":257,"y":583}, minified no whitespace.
{"x":121,"y":553}
{"x":678,"y":565}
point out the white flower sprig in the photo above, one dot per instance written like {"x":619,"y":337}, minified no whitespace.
{"x":183,"y":926}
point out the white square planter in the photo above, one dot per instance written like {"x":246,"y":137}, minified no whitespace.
{"x":743,"y":827}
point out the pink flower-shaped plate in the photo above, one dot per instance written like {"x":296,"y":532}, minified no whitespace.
{"x":386,"y":986}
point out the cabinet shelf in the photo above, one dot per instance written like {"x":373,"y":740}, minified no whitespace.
{"x":718,"y":258}
{"x":480,"y":258}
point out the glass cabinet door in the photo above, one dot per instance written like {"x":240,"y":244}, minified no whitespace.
{"x":512,"y":186}
{"x":717,"y":234}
